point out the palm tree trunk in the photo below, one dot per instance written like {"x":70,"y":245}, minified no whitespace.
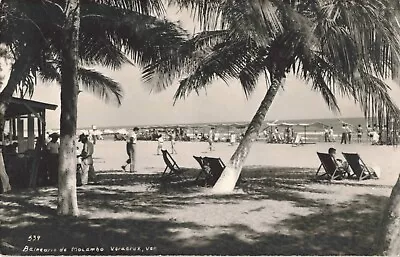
{"x":389,"y":237}
{"x":226,"y":183}
{"x":18,"y":71}
{"x":67,"y":197}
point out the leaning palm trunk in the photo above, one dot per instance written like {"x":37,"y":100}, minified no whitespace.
{"x":389,"y":236}
{"x":67,"y":197}
{"x":226,"y":183}
{"x":18,"y":70}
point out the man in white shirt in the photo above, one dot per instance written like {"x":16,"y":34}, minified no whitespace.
{"x":211,"y":139}
{"x":86,"y":156}
{"x":331,"y":139}
{"x":131,"y":140}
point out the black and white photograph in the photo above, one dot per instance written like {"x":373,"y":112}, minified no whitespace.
{"x":199,"y":127}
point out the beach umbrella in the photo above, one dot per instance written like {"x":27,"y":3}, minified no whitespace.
{"x":287,"y":124}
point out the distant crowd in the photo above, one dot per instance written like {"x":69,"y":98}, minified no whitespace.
{"x":373,"y":135}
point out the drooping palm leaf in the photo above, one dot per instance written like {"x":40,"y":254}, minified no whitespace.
{"x":100,"y":85}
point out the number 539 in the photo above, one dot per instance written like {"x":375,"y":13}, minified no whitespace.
{"x":33,"y":238}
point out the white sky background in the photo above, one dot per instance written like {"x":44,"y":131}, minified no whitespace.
{"x":221,"y":103}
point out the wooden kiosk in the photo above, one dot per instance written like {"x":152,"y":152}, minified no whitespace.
{"x":24,"y":118}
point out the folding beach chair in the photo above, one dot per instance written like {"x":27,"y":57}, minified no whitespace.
{"x":358,"y":166}
{"x":172,"y":167}
{"x":205,"y":170}
{"x":332,"y":170}
{"x":215,"y":167}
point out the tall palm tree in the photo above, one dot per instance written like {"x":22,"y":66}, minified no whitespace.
{"x":340,"y":47}
{"x":106,"y":31}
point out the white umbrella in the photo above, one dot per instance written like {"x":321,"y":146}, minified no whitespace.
{"x":287,"y":124}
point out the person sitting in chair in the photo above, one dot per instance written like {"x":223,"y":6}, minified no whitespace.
{"x":339,"y":162}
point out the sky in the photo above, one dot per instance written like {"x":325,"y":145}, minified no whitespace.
{"x":220,"y":103}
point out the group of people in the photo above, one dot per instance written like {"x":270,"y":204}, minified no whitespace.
{"x":85,"y":169}
{"x":160,"y":140}
{"x":276,"y":137}
{"x":328,"y":135}
{"x":347,"y":132}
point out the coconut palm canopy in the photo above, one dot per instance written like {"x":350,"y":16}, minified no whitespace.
{"x":341,"y":47}
{"x":112,"y":33}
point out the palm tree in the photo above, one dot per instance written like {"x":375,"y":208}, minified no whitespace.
{"x":107,"y":31}
{"x":340,"y":47}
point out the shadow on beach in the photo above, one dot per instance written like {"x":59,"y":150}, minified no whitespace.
{"x":274,"y":211}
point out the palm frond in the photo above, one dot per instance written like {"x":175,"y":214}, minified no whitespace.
{"x":225,"y":62}
{"x":100,"y":85}
{"x":160,"y":73}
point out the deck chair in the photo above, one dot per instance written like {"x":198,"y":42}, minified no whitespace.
{"x":172,"y":168}
{"x":358,"y":166}
{"x":205,"y":171}
{"x":332,"y":170}
{"x":215,"y":167}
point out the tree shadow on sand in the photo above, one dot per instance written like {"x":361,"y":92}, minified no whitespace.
{"x":133,"y":211}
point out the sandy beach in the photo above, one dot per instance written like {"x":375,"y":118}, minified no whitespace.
{"x":279,"y":209}
{"x":110,"y":155}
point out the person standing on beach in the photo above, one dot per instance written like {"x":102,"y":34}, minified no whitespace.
{"x":86,"y":156}
{"x":131,"y":140}
{"x":344,"y":135}
{"x":349,"y":131}
{"x":359,"y":133}
{"x":369,"y":133}
{"x":211,"y":139}
{"x":173,"y":139}
{"x":232,"y":138}
{"x":326,"y":134}
{"x":331,"y":139}
{"x":160,"y":143}
{"x":52,"y":149}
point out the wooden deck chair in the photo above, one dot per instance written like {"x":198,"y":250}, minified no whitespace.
{"x":358,"y":166}
{"x":172,"y":167}
{"x":216,"y":166}
{"x":332,"y":170}
{"x":205,"y":171}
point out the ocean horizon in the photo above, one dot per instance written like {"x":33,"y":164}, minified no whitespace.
{"x":317,"y":124}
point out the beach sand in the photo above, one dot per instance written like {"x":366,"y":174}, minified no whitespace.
{"x":280,"y":209}
{"x":111,"y":155}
